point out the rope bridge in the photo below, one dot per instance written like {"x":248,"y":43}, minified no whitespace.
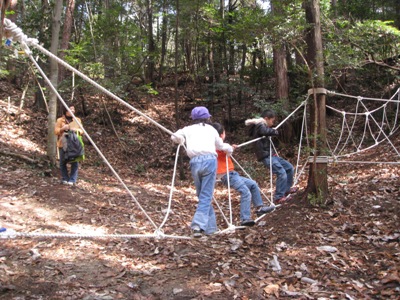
{"x":381,"y":130}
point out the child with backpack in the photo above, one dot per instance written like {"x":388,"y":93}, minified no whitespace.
{"x":248,"y":188}
{"x":63,"y":125}
{"x":202,"y":141}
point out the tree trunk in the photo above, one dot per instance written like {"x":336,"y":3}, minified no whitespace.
{"x":177,"y":110}
{"x":13,"y":7}
{"x":55,"y":34}
{"x":150,"y":40}
{"x":164,"y":28}
{"x":281,"y":76}
{"x":318,"y":174}
{"x":39,"y":98}
{"x":11,"y":64}
{"x":4,"y":4}
{"x":66,"y":36}
{"x":108,"y":57}
{"x":242,"y":72}
{"x":280,"y":64}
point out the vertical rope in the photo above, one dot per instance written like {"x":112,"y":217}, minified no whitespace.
{"x":172,"y":188}
{"x":229,"y":190}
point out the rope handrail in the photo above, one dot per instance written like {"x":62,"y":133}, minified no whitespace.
{"x":365,"y":98}
{"x":11,"y":234}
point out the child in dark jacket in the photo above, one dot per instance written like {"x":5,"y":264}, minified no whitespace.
{"x":248,"y":188}
{"x":262,"y":127}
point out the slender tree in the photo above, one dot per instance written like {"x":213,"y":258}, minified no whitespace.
{"x":4,"y":4}
{"x":55,"y":35}
{"x":164,"y":28}
{"x":66,"y":36}
{"x":318,"y":175}
{"x":150,"y":41}
{"x":280,"y":64}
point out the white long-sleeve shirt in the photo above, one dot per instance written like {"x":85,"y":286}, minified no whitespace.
{"x":201,"y":139}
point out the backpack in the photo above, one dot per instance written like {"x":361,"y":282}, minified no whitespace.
{"x":73,"y":146}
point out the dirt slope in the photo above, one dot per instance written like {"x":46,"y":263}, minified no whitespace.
{"x":347,"y":249}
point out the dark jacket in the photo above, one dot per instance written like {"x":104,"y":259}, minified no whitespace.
{"x":258,"y":128}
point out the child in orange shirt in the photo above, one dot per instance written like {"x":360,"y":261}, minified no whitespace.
{"x":248,"y":188}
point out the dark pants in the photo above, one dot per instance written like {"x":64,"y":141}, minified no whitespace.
{"x":73,"y":176}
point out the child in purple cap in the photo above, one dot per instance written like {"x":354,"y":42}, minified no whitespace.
{"x":202,"y":141}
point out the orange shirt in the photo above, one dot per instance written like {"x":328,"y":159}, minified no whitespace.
{"x":221,"y":167}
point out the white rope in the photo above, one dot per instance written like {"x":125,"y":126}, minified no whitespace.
{"x":221,"y":211}
{"x":334,"y":161}
{"x":364,"y":98}
{"x":11,"y":234}
{"x":291,"y":114}
{"x":368,"y":115}
{"x":270,"y":167}
{"x":251,"y":141}
{"x":303,"y":126}
{"x":229,"y":190}
{"x":172,"y":188}
{"x":381,"y":130}
{"x":17,"y":35}
{"x":230,"y":221}
{"x":397,"y":110}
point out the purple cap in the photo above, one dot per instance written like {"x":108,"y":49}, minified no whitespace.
{"x":200,"y":112}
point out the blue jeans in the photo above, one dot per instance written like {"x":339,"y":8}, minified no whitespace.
{"x":204,"y":170}
{"x":73,"y":177}
{"x":284,"y":172}
{"x":249,"y":192}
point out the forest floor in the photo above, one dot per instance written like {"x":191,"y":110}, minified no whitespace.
{"x":347,"y":248}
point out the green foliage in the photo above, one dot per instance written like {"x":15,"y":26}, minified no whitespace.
{"x":148,"y":89}
{"x":316,"y":199}
{"x":140,"y":168}
{"x":368,"y":9}
{"x":109,"y":41}
{"x":4,"y":73}
{"x":350,"y":45}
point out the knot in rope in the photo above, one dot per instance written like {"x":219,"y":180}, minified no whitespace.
{"x":7,"y":233}
{"x":159,"y":233}
{"x":16,"y":34}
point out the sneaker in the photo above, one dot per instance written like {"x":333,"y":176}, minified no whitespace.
{"x":248,"y":222}
{"x":197,"y":232}
{"x":70,"y":183}
{"x":64,"y":182}
{"x":292,"y":190}
{"x":264,"y":210}
{"x":281,"y":200}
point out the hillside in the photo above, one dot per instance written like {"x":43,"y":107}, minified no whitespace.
{"x":345,"y":249}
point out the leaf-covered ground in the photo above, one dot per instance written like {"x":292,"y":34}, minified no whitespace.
{"x":345,"y":249}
